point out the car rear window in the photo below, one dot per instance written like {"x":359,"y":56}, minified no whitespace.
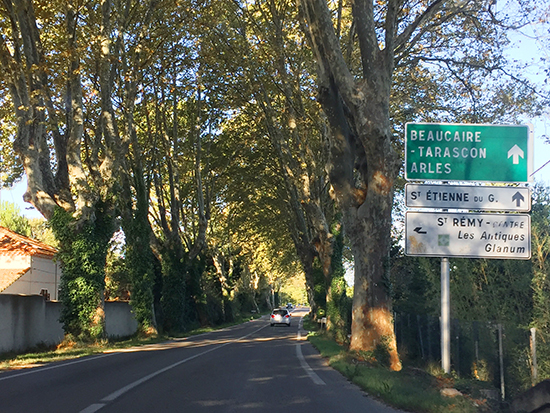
{"x":280,"y":312}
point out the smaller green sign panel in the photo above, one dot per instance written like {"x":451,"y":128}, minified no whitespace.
{"x":468,"y":152}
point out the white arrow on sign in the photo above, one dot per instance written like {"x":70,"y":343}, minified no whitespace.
{"x":515,"y":153}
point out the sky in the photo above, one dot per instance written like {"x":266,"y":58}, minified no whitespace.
{"x":530,"y":49}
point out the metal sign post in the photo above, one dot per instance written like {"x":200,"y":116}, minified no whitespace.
{"x":445,"y":316}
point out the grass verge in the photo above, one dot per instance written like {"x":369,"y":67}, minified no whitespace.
{"x":43,"y":354}
{"x":410,"y":389}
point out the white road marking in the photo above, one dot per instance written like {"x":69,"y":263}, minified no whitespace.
{"x":316,"y":379}
{"x":87,"y":358}
{"x":103,"y":402}
{"x":41,"y":369}
{"x":113,"y":396}
{"x":92,"y":408}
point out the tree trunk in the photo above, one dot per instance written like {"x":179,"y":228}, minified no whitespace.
{"x":306,"y":255}
{"x":372,"y":319}
{"x":358,"y":115}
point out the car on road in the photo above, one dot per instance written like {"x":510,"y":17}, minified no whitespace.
{"x":289,"y":306}
{"x":280,"y":316}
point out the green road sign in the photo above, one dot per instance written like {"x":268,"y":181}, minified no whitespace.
{"x":468,"y":152}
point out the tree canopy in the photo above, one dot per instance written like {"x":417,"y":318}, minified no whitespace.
{"x":237,"y":144}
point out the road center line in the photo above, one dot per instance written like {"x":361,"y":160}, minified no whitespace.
{"x":316,"y":379}
{"x":113,"y":396}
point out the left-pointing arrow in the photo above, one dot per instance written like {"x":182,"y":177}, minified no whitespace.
{"x":419,"y":230}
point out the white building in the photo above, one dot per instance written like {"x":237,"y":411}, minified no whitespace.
{"x":27,"y":266}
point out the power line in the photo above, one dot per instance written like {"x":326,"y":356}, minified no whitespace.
{"x":547,"y":162}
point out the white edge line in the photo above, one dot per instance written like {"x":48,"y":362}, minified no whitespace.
{"x":92,"y":408}
{"x":82,"y":360}
{"x":313,"y":376}
{"x":41,"y":369}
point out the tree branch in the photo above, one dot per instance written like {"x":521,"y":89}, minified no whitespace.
{"x":405,"y":36}
{"x":327,"y":48}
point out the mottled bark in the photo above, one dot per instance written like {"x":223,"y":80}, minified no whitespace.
{"x":49,"y":109}
{"x":358,"y":114}
{"x":307,"y":224}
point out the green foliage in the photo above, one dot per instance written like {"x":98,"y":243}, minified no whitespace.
{"x":415,"y":283}
{"x":381,"y":352}
{"x":139,"y":264}
{"x":11,"y":218}
{"x":12,"y":168}
{"x":339,"y":310}
{"x":497,"y":290}
{"x":174,"y":297}
{"x":294,"y":290}
{"x":117,"y":278}
{"x":319,"y":287}
{"x":339,"y":304}
{"x":379,"y":356}
{"x":42,"y":231}
{"x":181,"y":290}
{"x":540,"y":283}
{"x":83,"y":249}
{"x":214,"y":307}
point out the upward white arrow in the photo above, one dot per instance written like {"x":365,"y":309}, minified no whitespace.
{"x":515,"y":153}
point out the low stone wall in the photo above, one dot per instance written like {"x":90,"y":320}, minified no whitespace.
{"x":29,"y":320}
{"x":119,"y":319}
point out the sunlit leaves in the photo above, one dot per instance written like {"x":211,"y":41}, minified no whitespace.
{"x":12,"y":169}
{"x":11,"y":218}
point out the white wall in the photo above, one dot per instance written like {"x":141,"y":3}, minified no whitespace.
{"x":26,"y":321}
{"x":44,"y":274}
{"x":11,"y":261}
{"x":119,"y":319}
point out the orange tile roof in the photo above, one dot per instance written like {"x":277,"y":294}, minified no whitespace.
{"x":15,"y":243}
{"x":8,"y":277}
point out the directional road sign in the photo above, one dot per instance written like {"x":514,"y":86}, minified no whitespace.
{"x":487,"y":198}
{"x":468,"y":235}
{"x":468,"y":152}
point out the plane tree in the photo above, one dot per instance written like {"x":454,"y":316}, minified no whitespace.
{"x":48,"y":108}
{"x":461,"y":42}
{"x":72,"y":72}
{"x":119,"y":110}
{"x":272,"y":93}
{"x":208,"y":182}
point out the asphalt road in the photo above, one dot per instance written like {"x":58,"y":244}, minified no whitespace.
{"x":251,"y":367}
